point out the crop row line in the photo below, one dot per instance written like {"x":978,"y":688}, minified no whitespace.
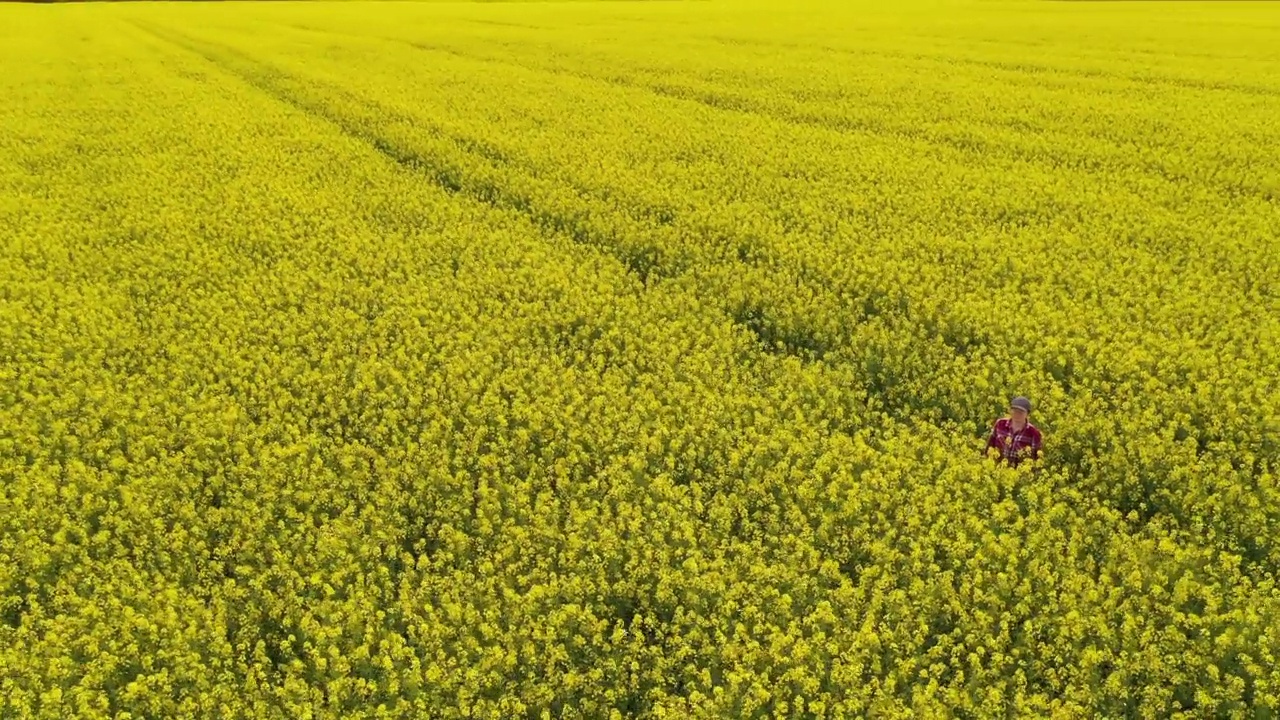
{"x":718,"y":98}
{"x":786,"y":337}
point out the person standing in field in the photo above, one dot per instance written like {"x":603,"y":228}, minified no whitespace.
{"x":1014,"y":436}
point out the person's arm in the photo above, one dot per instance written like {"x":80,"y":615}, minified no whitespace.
{"x":1036,"y":442}
{"x":992,"y":441}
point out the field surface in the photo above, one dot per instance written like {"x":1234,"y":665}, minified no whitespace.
{"x":634,"y":359}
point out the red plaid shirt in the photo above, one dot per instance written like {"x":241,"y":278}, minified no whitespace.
{"x":1014,"y":447}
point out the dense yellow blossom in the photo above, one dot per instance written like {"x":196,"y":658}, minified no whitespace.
{"x":635,"y":359}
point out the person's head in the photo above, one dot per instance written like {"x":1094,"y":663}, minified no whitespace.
{"x":1019,"y":409}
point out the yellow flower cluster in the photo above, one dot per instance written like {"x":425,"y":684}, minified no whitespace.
{"x":602,"y":360}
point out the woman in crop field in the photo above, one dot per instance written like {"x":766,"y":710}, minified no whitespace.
{"x":1014,"y":436}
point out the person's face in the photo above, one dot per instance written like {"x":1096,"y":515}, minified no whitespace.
{"x":1018,"y":415}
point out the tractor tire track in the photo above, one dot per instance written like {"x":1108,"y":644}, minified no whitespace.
{"x":645,"y":259}
{"x":773,"y":337}
{"x":968,"y":144}
{"x":1022,"y":68}
{"x":642,"y":259}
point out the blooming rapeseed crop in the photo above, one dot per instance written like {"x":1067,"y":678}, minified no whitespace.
{"x":630,"y":359}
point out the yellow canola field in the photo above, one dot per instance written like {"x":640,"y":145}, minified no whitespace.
{"x":635,"y":359}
